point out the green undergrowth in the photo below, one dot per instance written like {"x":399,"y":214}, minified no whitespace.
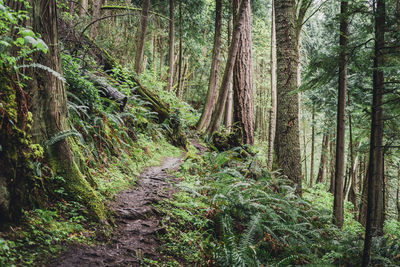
{"x":111,"y":148}
{"x":45,"y":232}
{"x":231,"y":211}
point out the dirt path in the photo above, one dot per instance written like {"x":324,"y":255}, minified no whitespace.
{"x":137,"y":224}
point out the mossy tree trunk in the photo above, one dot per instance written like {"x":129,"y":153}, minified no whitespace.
{"x":49,"y":110}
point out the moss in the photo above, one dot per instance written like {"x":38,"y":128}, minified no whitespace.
{"x":78,"y":188}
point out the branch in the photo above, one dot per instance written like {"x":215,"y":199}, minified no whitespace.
{"x":133,"y":8}
{"x":313,"y":13}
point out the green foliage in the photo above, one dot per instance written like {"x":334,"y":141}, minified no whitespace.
{"x":17,"y":42}
{"x":253,"y":218}
{"x":77,"y":83}
{"x":43,"y":233}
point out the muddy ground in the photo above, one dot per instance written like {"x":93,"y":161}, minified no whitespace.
{"x":138,"y":222}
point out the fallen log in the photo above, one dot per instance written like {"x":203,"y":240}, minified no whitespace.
{"x":174,"y":130}
{"x":106,"y":90}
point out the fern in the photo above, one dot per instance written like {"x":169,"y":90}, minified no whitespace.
{"x":61,"y":136}
{"x":43,"y":67}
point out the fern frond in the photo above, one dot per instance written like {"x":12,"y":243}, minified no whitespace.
{"x":61,"y":136}
{"x":43,"y":67}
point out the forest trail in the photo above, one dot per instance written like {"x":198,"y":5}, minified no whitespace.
{"x":137,"y":222}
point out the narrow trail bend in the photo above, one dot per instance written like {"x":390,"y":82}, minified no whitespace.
{"x":137,"y":224}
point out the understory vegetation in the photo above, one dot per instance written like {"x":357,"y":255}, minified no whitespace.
{"x":231,"y":211}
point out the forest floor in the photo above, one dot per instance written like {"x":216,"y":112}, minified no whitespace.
{"x":134,"y":239}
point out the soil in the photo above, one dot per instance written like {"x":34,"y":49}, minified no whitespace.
{"x":138,"y":222}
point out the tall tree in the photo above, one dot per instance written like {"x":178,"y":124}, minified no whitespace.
{"x":212,"y":85}
{"x":141,"y":36}
{"x":95,"y":16}
{"x":243,"y":98}
{"x":230,"y":62}
{"x":375,"y":203}
{"x":338,"y":201}
{"x":49,"y":109}
{"x":312,"y":146}
{"x":272,"y":110}
{"x":287,"y":143}
{"x":322,"y":164}
{"x":171,"y":53}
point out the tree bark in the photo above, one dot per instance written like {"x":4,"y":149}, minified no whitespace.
{"x":375,"y":204}
{"x":49,"y":110}
{"x":171,"y":53}
{"x":287,"y":143}
{"x":95,"y":16}
{"x":83,"y":7}
{"x":180,"y":91}
{"x":233,"y":49}
{"x":272,"y":111}
{"x":212,"y":85}
{"x":338,"y":202}
{"x":332,"y":164}
{"x":322,"y":164}
{"x":141,"y":36}
{"x":243,"y":96}
{"x":312,"y":146}
{"x":353,"y":191}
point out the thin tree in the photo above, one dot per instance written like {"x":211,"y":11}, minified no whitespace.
{"x":230,"y":62}
{"x":312,"y":146}
{"x":95,"y":16}
{"x":338,"y":201}
{"x":375,"y":202}
{"x":322,"y":164}
{"x":141,"y":36}
{"x":272,"y":110}
{"x":171,"y":53}
{"x":212,"y":84}
{"x":180,"y":89}
{"x":83,"y":7}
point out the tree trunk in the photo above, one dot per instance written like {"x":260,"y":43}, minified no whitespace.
{"x":171,"y":54}
{"x":83,"y":7}
{"x":352,"y":195}
{"x":233,"y":48}
{"x":332,"y":164}
{"x":312,"y":146}
{"x":180,"y":92}
{"x":162,"y":57}
{"x":362,"y":216}
{"x":49,"y":110}
{"x":398,"y":193}
{"x":322,"y":164}
{"x":95,"y":16}
{"x":243,"y":98}
{"x":338,"y":202}
{"x":229,"y":109}
{"x":141,"y":36}
{"x":287,"y":143}
{"x":305,"y":151}
{"x":212,"y":85}
{"x":375,"y":204}
{"x":272,"y":111}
